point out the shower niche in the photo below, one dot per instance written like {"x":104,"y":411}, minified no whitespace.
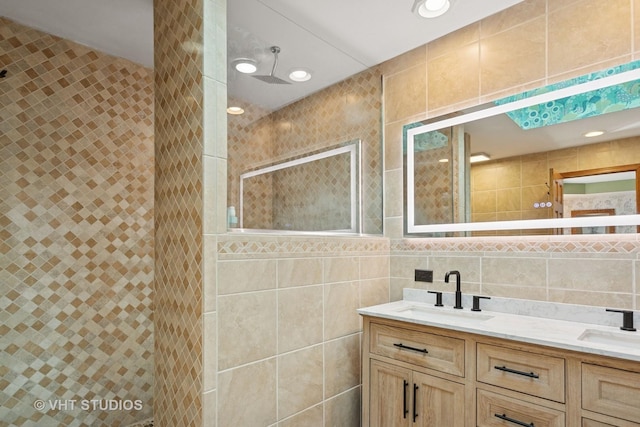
{"x":319,"y":191}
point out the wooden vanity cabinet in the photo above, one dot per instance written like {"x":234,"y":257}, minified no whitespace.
{"x":402,"y":397}
{"x":402,"y":393}
{"x":455,"y":379}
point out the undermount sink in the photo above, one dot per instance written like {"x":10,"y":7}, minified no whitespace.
{"x":618,"y":339}
{"x":441,"y":314}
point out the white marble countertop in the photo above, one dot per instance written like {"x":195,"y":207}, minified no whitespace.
{"x":567,"y":326}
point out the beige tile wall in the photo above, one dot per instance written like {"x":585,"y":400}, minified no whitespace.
{"x":593,"y":271}
{"x":76,"y":231}
{"x":289,"y":340}
{"x":534,"y":43}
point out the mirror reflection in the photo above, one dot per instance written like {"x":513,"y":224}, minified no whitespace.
{"x":501,"y":174}
{"x":278,"y":196}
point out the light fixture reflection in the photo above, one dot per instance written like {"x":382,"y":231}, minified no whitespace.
{"x":479,"y":157}
{"x":593,"y":133}
{"x":235,"y":110}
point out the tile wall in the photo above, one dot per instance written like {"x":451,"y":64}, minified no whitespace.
{"x":179,"y":206}
{"x":534,"y":43}
{"x":76,"y":227}
{"x":290,"y":343}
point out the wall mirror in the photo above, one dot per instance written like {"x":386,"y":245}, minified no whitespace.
{"x":278,"y":196}
{"x":324,"y":85}
{"x":561,"y":159}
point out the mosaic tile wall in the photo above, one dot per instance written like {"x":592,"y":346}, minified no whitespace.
{"x":346,"y":111}
{"x":178,"y":28}
{"x":76,"y":226}
{"x":534,"y":43}
{"x":506,"y":189}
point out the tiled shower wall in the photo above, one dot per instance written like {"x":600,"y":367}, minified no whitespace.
{"x":346,"y":111}
{"x":532,"y":44}
{"x":76,"y":226}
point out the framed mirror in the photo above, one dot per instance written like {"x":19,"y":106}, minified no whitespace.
{"x":279,"y":196}
{"x":488,"y":170}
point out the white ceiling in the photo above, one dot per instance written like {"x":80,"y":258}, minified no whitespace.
{"x":333,"y":38}
{"x":122,"y":28}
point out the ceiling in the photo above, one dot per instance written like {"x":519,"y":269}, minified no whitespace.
{"x":333,"y":38}
{"x":122,"y":28}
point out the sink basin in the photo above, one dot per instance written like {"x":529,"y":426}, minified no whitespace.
{"x":618,"y":339}
{"x":442,"y":314}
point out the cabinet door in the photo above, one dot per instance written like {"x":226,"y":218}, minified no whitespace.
{"x":611,"y":392}
{"x":389,"y":395}
{"x":438,"y":402}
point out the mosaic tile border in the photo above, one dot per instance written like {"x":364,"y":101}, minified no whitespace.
{"x":627,"y":244}
{"x":262,"y":246}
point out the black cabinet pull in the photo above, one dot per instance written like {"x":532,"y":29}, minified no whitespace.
{"x":511,"y":420}
{"x":513,"y":371}
{"x":415,"y":400}
{"x":405,"y":410}
{"x":406,"y":347}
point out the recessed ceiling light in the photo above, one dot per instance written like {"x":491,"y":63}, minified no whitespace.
{"x":433,"y":8}
{"x":593,"y":133}
{"x":235,"y":110}
{"x":443,"y":160}
{"x":245,"y":65}
{"x":300,"y":75}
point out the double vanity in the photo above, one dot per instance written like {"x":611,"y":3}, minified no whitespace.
{"x":513,"y":363}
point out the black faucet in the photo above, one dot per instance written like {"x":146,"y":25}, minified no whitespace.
{"x":458,"y":292}
{"x":627,"y":319}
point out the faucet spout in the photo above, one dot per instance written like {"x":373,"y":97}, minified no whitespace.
{"x":458,"y":291}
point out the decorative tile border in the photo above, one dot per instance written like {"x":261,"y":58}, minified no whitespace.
{"x":278,"y":246}
{"x":264,"y":246}
{"x":622,"y":244}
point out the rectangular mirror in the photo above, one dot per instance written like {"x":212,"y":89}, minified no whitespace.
{"x":315,"y":192}
{"x":489,"y":170}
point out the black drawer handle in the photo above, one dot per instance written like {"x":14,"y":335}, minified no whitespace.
{"x":415,"y":402}
{"x":511,"y":420}
{"x":406,"y":347}
{"x":513,"y":371}
{"x":404,"y":400}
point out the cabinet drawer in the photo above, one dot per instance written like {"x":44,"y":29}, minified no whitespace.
{"x":521,"y":371}
{"x":495,"y":410}
{"x":586,"y":422}
{"x":432,"y":351}
{"x":611,"y":391}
